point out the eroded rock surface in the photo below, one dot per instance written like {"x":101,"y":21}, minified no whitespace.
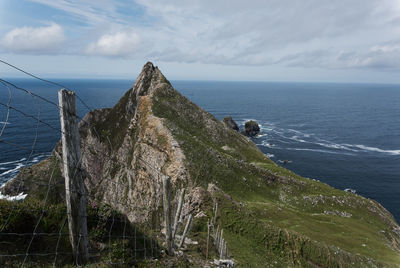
{"x":251,"y":128}
{"x":229,"y":122}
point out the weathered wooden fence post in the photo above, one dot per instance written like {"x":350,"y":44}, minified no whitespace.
{"x":215,"y":212}
{"x":220,"y":243}
{"x":167,"y":214}
{"x":188,"y":223}
{"x":216,"y":237}
{"x":208,"y":237}
{"x":74,"y":186}
{"x":178,"y":213}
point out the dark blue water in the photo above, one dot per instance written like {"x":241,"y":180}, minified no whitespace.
{"x":347,"y":135}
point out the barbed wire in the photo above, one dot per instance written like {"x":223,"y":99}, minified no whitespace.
{"x":50,"y":184}
{"x":41,"y":216}
{"x":32,"y":75}
{"x":8,"y":109}
{"x":27,"y":160}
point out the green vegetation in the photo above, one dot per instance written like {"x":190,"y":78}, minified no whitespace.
{"x":52,"y":236}
{"x":271,"y":216}
{"x":112,"y":129}
{"x":285,"y":220}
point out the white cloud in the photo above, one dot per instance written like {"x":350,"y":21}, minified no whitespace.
{"x":384,"y":57}
{"x":91,"y":12}
{"x":324,"y":33}
{"x":34,"y":40}
{"x":268,"y":32}
{"x":120,"y":44}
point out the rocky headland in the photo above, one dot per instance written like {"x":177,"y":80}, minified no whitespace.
{"x":271,"y":216}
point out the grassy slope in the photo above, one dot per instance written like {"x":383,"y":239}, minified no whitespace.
{"x":105,"y":228}
{"x":283,"y":217}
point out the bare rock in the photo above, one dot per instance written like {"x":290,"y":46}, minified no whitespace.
{"x":228,"y":121}
{"x":251,"y":128}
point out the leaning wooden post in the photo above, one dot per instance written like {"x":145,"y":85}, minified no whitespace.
{"x":167,"y":214}
{"x":178,"y":214}
{"x":215,"y":212}
{"x":220,"y":242}
{"x":208,"y":238}
{"x":189,"y":221}
{"x":216,"y":237}
{"x":221,"y":249}
{"x":226,"y":250}
{"x":74,"y":186}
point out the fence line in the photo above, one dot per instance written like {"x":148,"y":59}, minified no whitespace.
{"x":150,"y":232}
{"x":50,"y":184}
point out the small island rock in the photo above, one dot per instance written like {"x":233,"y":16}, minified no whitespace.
{"x":228,"y":121}
{"x":251,"y":128}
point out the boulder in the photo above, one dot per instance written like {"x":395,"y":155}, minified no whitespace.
{"x":251,"y":128}
{"x":228,"y":121}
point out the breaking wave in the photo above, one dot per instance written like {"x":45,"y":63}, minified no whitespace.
{"x":272,"y":136}
{"x":10,"y":169}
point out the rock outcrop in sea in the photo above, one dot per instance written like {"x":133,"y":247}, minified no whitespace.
{"x":251,"y":128}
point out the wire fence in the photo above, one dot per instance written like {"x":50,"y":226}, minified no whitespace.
{"x":40,"y":227}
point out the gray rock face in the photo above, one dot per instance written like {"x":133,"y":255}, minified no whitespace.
{"x":251,"y":128}
{"x":228,"y":121}
{"x":125,"y":152}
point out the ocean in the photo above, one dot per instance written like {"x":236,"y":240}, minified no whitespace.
{"x":346,"y":135}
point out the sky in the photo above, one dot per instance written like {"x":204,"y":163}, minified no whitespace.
{"x":253,"y":40}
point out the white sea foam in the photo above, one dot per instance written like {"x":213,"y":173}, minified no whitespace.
{"x":297,"y":138}
{"x":12,"y":162}
{"x":18,"y":197}
{"x":305,"y":135}
{"x":282,"y":135}
{"x":270,"y":155}
{"x":318,"y":150}
{"x":268,"y":144}
{"x":4,"y":123}
{"x":374,"y":149}
{"x":261,"y":136}
{"x":10,"y":169}
{"x":264,"y":128}
{"x":349,"y":190}
{"x":336,"y":146}
{"x":18,"y":167}
{"x":298,"y":125}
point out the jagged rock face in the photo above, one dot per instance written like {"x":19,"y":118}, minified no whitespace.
{"x":228,"y":121}
{"x":251,"y":128}
{"x":154,"y":131}
{"x":127,"y":150}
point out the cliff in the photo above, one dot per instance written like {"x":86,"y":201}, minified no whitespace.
{"x":270,"y":215}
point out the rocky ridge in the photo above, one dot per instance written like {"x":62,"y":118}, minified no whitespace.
{"x":277,"y":215}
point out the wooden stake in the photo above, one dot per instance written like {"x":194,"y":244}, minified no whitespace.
{"x":208,"y":237}
{"x":215,"y":212}
{"x":178,"y":214}
{"x":74,"y":186}
{"x":167,"y":214}
{"x":221,"y":241}
{"x":222,"y":249}
{"x":226,"y":250}
{"x":216,"y":237}
{"x":189,"y":221}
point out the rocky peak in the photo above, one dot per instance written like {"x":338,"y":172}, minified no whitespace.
{"x":155,"y":131}
{"x":149,"y":79}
